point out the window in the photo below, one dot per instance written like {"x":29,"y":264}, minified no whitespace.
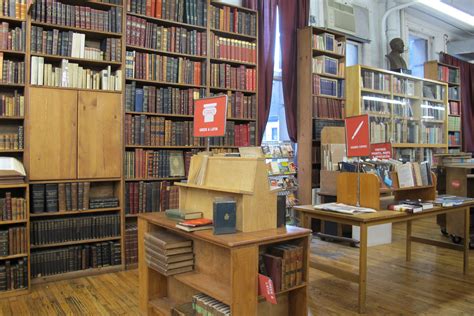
{"x":276,"y":129}
{"x":353,"y":53}
{"x":417,"y":53}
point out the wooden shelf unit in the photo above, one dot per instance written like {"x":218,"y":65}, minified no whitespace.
{"x":206,"y":87}
{"x":387,"y":104}
{"x":433,"y":70}
{"x":225,"y":268}
{"x":309,"y":101}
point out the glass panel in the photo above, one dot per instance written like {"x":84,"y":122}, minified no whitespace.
{"x":418,"y":54}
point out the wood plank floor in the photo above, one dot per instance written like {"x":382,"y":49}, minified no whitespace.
{"x":432,"y":284}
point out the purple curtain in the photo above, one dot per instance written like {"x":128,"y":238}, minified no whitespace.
{"x":267,"y":11}
{"x":467,"y":98}
{"x":293,"y":15}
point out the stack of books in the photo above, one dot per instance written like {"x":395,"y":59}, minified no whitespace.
{"x":168,"y":253}
{"x":206,"y":305}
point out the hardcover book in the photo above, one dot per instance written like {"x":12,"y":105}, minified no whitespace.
{"x":224,"y":217}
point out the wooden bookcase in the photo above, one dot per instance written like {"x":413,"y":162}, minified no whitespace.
{"x":317,"y":107}
{"x":401,"y":109}
{"x":226,"y":268}
{"x":207,"y":58}
{"x":435,"y":70}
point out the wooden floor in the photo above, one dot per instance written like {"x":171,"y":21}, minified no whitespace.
{"x":432,"y":284}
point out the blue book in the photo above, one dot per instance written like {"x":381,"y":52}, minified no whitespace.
{"x":139,"y":100}
{"x":225,"y":217}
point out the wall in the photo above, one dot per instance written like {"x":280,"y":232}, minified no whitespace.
{"x":399,"y":23}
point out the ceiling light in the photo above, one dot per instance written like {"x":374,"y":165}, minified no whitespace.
{"x":449,"y":10}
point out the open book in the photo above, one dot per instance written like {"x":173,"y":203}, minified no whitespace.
{"x":343,"y":208}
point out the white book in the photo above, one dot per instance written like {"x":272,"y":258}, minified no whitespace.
{"x":405,"y":175}
{"x":118,"y":81}
{"x":34,"y":70}
{"x":40,"y":71}
{"x":64,"y":74}
{"x":83,"y":45}
{"x":104,"y":79}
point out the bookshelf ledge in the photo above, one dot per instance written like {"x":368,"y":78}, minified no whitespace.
{"x":206,"y":284}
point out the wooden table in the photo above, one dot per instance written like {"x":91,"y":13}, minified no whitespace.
{"x":307,"y":212}
{"x":225,"y":268}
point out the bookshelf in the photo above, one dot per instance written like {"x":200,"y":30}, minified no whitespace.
{"x":168,"y":39}
{"x":321,"y":81}
{"x":451,"y":75}
{"x":73,"y":152}
{"x":407,"y":111}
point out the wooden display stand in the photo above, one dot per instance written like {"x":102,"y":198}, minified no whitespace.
{"x":225,"y":268}
{"x":244,"y":179}
{"x":370,"y":190}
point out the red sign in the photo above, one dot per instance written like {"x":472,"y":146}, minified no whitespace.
{"x":357,"y":136}
{"x":210,"y":116}
{"x":456,"y":184}
{"x":381,"y":151}
{"x":265,"y":288}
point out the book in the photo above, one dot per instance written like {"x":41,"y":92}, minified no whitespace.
{"x":169,"y":266}
{"x":176,"y":161}
{"x":166,"y":240}
{"x":193,"y":228}
{"x":273,"y":266}
{"x":178,"y":214}
{"x":230,"y":77}
{"x":405,"y":175}
{"x":224,"y":216}
{"x":168,"y":252}
{"x":169,"y":258}
{"x":159,"y":269}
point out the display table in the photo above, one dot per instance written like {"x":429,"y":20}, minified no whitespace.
{"x":226,"y":268}
{"x":307,"y":212}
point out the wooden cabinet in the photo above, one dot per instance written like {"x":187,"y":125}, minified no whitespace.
{"x":74,"y":134}
{"x":52,"y":134}
{"x":99,"y":135}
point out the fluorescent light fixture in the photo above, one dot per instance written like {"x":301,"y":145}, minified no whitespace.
{"x":449,"y":10}
{"x":428,"y":117}
{"x":427,"y":106}
{"x":369,"y":98}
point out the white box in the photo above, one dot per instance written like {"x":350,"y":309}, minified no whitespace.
{"x":376,"y":235}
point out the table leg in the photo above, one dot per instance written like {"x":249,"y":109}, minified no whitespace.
{"x":304,"y":220}
{"x":467,"y":239}
{"x":362,"y":268}
{"x":408,"y":241}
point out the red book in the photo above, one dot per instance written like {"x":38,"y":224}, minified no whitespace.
{"x":158,"y":9}
{"x":265,"y":288}
{"x":196,"y":222}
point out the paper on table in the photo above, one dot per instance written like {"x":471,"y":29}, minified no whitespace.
{"x":344,"y":208}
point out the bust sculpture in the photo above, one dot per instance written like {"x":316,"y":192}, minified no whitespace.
{"x":394,"y":57}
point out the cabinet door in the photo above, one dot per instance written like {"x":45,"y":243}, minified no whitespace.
{"x":52,"y":134}
{"x":99,"y":135}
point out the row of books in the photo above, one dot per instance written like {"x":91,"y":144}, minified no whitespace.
{"x":403,"y":86}
{"x":454,"y":139}
{"x":328,"y":108}
{"x":454,"y":123}
{"x":157,"y":131}
{"x":170,"y":39}
{"x":403,"y":108}
{"x":379,"y":130}
{"x":327,"y":41}
{"x":168,"y":253}
{"x":143,"y":197}
{"x":375,"y":103}
{"x":453,"y":93}
{"x":62,"y":260}
{"x":375,"y":80}
{"x":131,"y":244}
{"x":233,"y":49}
{"x":240,"y":105}
{"x":13,"y":208}
{"x":454,"y":108}
{"x":433,"y":91}
{"x":51,"y":231}
{"x":55,"y":12}
{"x":169,"y":196}
{"x":316,"y":154}
{"x":328,"y":87}
{"x":72,"y":44}
{"x":13,"y":39}
{"x":13,"y":241}
{"x":284,"y":150}
{"x":164,"y":68}
{"x":404,"y":131}
{"x":240,"y":135}
{"x":432,"y":111}
{"x":284,"y":265}
{"x":12,"y":141}
{"x":432,"y":134}
{"x":149,"y":164}
{"x":14,"y":8}
{"x":14,"y":274}
{"x":327,"y":65}
{"x":11,"y":71}
{"x":185,"y":11}
{"x":203,"y":304}
{"x":448,"y":74}
{"x":62,"y":197}
{"x":71,"y":75}
{"x":412,"y":174}
{"x":233,"y":20}
{"x":226,"y":76}
{"x":12,"y":104}
{"x":318,"y":126}
{"x":162,"y":100}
